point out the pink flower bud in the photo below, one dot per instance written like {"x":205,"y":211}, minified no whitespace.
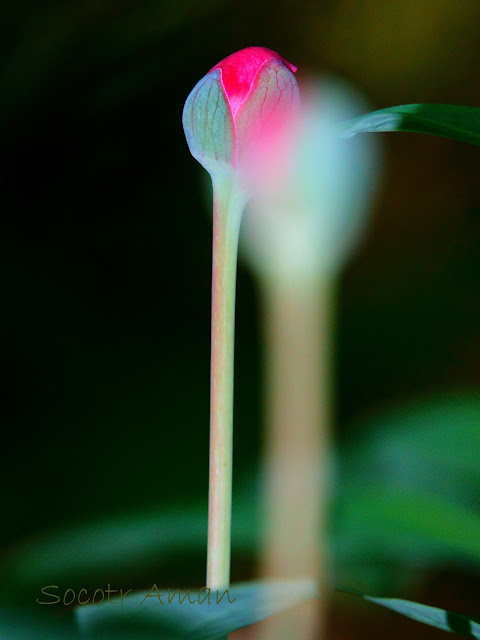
{"x":240,"y":71}
{"x":234,"y":102}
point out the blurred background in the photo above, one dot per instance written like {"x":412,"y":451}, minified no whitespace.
{"x":106,"y":275}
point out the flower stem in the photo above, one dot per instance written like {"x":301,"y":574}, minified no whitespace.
{"x":228,"y":205}
{"x":298,"y":334}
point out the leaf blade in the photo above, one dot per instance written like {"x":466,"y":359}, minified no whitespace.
{"x":247,"y":604}
{"x":432,"y":616}
{"x":449,"y":121}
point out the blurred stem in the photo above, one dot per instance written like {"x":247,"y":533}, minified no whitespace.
{"x":228,"y":205}
{"x":298,"y":328}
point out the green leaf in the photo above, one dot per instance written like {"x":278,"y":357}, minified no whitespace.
{"x":420,"y":441}
{"x":20,"y":623}
{"x":404,"y":498}
{"x":103,"y":548}
{"x":409,"y":484}
{"x":196,"y":615}
{"x":382,"y":520}
{"x":433,"y":616}
{"x":449,"y":121}
{"x":106,"y":549}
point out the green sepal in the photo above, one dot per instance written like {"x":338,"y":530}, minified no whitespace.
{"x":208,"y":124}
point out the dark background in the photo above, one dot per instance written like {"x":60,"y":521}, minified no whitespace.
{"x":106,"y":243}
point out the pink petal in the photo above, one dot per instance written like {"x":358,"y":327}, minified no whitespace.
{"x":240,"y":69}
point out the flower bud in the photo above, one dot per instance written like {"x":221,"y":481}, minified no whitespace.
{"x":234,"y":102}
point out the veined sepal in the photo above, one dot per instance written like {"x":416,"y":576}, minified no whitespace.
{"x":209,"y":126}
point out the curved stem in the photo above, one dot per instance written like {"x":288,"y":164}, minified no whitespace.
{"x":227,"y":212}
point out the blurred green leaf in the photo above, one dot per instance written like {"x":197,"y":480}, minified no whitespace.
{"x":406,"y":496}
{"x":79,"y":551}
{"x":408,"y":491}
{"x":196,"y":615}
{"x":104,"y":549}
{"x":431,"y":437}
{"x":449,"y":121}
{"x":407,"y":527}
{"x":433,"y":616}
{"x":19,"y":624}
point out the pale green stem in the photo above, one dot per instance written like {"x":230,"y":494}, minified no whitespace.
{"x":298,"y":325}
{"x":227,"y":212}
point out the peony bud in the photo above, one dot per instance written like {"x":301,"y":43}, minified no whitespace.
{"x":233,"y":103}
{"x":240,"y":97}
